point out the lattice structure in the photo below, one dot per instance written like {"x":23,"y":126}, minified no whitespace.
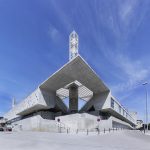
{"x":84,"y":93}
{"x":73,"y":45}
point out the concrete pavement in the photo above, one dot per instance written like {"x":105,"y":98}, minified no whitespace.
{"x":120,"y":140}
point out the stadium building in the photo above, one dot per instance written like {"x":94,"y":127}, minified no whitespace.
{"x":45,"y":110}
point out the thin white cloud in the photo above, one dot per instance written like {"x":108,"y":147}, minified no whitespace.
{"x":123,"y":24}
{"x":62,"y":16}
{"x":127,"y":10}
{"x":133,"y":72}
{"x":53,"y":32}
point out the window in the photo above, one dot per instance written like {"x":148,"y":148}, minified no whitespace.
{"x":112,"y":103}
{"x":119,"y":109}
{"x":123,"y":112}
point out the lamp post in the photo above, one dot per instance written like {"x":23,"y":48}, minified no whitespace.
{"x":146,"y":112}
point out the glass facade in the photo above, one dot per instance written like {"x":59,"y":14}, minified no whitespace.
{"x":112,"y":103}
{"x":123,"y":112}
{"x":119,"y":109}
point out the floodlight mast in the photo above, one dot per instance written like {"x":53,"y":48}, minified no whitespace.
{"x":146,"y":114}
{"x":73,"y":45}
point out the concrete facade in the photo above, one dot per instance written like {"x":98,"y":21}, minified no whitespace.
{"x":41,"y":110}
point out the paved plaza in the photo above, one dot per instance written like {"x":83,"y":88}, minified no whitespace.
{"x":120,"y":140}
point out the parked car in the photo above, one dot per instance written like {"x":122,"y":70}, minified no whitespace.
{"x":8,"y":129}
{"x":1,"y":129}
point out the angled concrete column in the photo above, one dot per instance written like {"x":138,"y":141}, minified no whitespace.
{"x":73,"y":98}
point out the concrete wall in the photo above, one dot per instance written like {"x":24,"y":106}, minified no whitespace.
{"x":113,"y":122}
{"x":117,"y":123}
{"x":105,"y":124}
{"x":74,"y":122}
{"x":86,"y":121}
{"x":78,"y":121}
{"x":35,"y":123}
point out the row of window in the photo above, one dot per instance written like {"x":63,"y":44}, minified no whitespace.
{"x":112,"y":103}
{"x":120,"y":110}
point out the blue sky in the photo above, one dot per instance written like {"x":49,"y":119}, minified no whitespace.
{"x":114,"y":38}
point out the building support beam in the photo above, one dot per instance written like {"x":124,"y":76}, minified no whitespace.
{"x":73,"y":98}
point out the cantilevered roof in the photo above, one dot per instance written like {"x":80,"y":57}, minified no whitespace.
{"x":76,"y":69}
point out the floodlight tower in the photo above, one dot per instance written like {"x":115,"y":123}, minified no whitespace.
{"x":73,"y":45}
{"x":146,"y":114}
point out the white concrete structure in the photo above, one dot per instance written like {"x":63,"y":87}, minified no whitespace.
{"x":42,"y":108}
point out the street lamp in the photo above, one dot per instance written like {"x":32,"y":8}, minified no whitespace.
{"x":146,"y":113}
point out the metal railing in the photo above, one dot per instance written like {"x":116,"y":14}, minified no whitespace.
{"x":98,"y":131}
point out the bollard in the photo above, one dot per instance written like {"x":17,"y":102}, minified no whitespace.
{"x":104,"y":130}
{"x":77,"y":131}
{"x":87,"y":132}
{"x":67,"y":130}
{"x":58,"y":129}
{"x":98,"y":131}
{"x":109,"y":130}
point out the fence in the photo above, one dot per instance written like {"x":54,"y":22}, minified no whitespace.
{"x":87,"y":131}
